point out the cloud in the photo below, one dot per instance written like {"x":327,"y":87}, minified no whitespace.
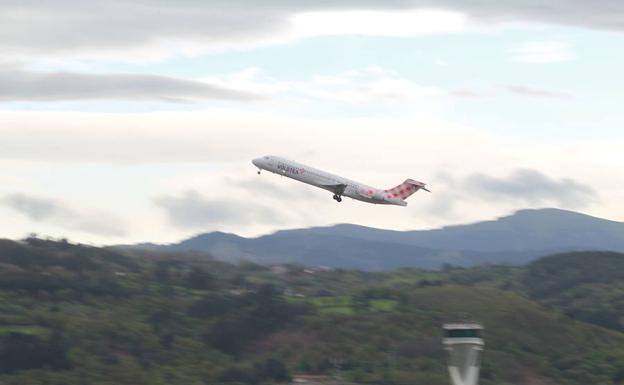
{"x":379,"y":23}
{"x":195,"y":211}
{"x":130,"y":138}
{"x":537,"y":92}
{"x":358,"y":86}
{"x":221,"y":137}
{"x":20,"y":85}
{"x":367,"y":85}
{"x":542,"y":52}
{"x":522,"y":187}
{"x":261,"y":185}
{"x":188,"y":136}
{"x":533,"y":187}
{"x":58,"y":214}
{"x":154,"y":27}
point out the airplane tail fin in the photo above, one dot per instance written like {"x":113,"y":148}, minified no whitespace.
{"x":405,"y":189}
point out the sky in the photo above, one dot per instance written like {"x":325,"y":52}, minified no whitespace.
{"x":127,"y":121}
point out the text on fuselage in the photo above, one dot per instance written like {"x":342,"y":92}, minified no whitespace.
{"x":289,"y":169}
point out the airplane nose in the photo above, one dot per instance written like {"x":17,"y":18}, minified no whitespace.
{"x":256,"y":162}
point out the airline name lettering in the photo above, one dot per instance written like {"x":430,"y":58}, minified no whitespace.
{"x":289,"y":169}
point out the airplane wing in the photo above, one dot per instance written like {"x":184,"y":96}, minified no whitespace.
{"x":337,"y":188}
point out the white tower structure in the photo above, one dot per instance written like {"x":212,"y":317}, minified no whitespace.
{"x":465,"y":346}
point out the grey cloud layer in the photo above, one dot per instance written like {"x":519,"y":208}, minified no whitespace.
{"x":18,"y":85}
{"x":533,"y":187}
{"x":58,"y":214}
{"x":195,"y":211}
{"x":32,"y":26}
{"x":522,"y":186}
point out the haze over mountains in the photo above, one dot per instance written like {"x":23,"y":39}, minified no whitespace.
{"x":515,"y":239}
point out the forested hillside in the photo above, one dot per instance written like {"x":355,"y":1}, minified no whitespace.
{"x":73,"y":314}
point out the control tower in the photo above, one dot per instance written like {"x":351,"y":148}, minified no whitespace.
{"x":465,"y":346}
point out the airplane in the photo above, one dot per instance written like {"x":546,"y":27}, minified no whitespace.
{"x":338,"y":185}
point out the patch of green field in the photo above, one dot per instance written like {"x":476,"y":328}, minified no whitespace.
{"x":337,"y":305}
{"x":382,"y":304}
{"x":343,"y":305}
{"x":337,"y":301}
{"x":291,"y":299}
{"x":337,"y":310}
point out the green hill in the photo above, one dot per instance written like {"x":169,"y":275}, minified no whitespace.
{"x":587,"y":286}
{"x":73,"y":314}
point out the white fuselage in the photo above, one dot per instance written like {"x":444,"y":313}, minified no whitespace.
{"x":325,"y":180}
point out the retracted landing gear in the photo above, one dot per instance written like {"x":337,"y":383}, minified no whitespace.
{"x":337,"y":197}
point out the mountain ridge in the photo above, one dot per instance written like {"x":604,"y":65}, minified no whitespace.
{"x":513,"y":239}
